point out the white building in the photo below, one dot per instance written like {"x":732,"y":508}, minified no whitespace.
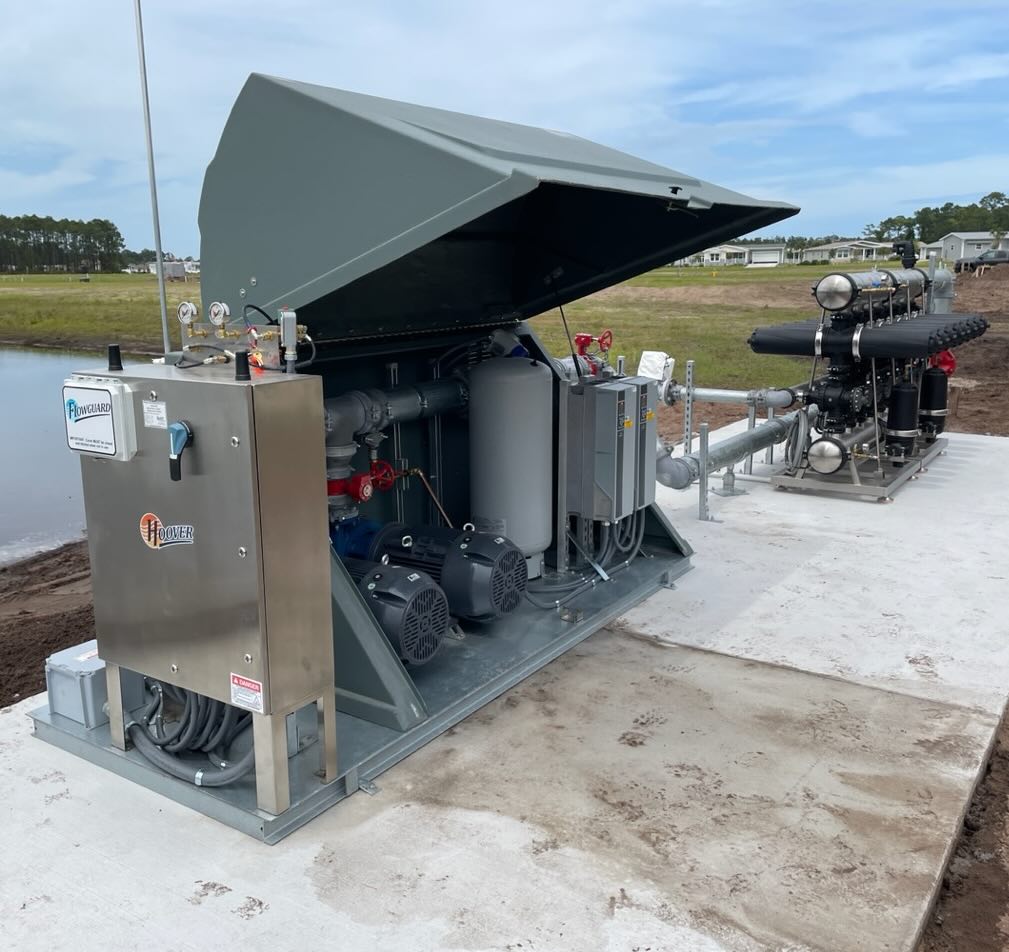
{"x":858,"y":249}
{"x":765,"y":254}
{"x":174,"y":270}
{"x":963,"y":244}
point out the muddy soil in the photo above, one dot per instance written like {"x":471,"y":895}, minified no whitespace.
{"x":45,"y":605}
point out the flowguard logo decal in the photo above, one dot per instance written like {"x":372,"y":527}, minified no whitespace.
{"x":157,"y":535}
{"x":78,"y":412}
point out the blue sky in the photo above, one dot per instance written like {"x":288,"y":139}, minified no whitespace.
{"x":854,"y":111}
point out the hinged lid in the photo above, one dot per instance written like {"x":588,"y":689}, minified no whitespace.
{"x":376,"y":218}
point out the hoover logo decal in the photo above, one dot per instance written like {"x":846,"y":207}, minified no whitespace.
{"x":78,"y":412}
{"x":157,"y":535}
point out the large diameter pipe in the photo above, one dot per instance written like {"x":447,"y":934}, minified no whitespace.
{"x":369,"y":411}
{"x":681,"y":471}
{"x":779,"y":399}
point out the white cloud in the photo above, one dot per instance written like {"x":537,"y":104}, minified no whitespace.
{"x":725,"y":90}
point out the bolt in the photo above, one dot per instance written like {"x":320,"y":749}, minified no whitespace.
{"x":252,"y":281}
{"x":242,"y":553}
{"x":248,"y":659}
{"x":174,"y":668}
{"x":235,"y":441}
{"x":154,"y":394}
{"x":241,"y":292}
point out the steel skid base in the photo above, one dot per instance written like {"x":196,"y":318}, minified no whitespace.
{"x":467,"y":674}
{"x":863,"y":479}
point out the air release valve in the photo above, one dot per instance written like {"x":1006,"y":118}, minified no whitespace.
{"x":180,"y":435}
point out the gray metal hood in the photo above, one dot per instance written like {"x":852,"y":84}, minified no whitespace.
{"x":379,"y":218}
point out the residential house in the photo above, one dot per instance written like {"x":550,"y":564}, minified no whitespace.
{"x":857,"y":249}
{"x":963,"y":244}
{"x":765,"y":254}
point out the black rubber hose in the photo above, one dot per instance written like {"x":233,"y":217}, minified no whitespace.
{"x":211,"y":777}
{"x":227,"y":722}
{"x":215,"y":714}
{"x":192,"y":722}
{"x":170,"y":736}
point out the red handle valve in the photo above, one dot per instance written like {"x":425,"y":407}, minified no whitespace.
{"x":382,"y":474}
{"x":605,"y":340}
{"x":582,"y":344}
{"x":359,"y":487}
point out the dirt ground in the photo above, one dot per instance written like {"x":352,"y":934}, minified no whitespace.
{"x":45,"y":605}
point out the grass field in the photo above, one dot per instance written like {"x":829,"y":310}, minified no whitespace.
{"x":61,"y":310}
{"x":695,"y":313}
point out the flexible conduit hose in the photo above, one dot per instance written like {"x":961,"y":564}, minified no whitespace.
{"x":612,"y":559}
{"x":205,"y":725}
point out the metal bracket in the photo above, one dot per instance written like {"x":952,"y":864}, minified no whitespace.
{"x":688,"y":410}
{"x":703,"y":513}
{"x":729,"y":485}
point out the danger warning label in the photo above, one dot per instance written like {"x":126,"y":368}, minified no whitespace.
{"x":247,"y":693}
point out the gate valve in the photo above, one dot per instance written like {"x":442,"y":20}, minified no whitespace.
{"x":584,"y":341}
{"x":383,"y":476}
{"x":359,"y":487}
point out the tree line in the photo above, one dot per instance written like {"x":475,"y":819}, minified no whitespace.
{"x":42,"y":243}
{"x":989,"y":213}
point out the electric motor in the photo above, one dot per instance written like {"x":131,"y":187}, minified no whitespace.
{"x":482,"y":574}
{"x":408,"y":605}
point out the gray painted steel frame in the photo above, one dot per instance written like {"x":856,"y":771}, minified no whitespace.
{"x":530,"y":640}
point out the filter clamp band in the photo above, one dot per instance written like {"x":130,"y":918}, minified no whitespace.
{"x":818,"y":343}
{"x":890,"y":432}
{"x":855,"y":341}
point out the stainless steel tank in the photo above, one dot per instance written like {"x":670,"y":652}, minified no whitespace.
{"x":511,"y":453}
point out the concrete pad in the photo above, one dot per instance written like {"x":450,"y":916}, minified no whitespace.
{"x":790,"y":776}
{"x":910,"y":596}
{"x":627,"y":796}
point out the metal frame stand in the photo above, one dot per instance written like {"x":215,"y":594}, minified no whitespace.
{"x":269,"y":738}
{"x":868,"y":478}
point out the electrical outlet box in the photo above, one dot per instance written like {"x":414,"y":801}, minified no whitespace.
{"x":99,"y":417}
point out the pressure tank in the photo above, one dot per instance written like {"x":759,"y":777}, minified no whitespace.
{"x":511,"y":453}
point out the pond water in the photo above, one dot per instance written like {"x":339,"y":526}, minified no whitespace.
{"x":40,"y":479}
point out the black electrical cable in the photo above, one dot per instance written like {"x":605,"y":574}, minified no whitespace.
{"x":204,"y":725}
{"x":183,"y":364}
{"x":255,"y":307}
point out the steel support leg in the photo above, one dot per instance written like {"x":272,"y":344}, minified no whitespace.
{"x":273,"y":785}
{"x":751,"y":422}
{"x":688,"y":411}
{"x":327,"y":737}
{"x":117,"y":724}
{"x":702,"y":482}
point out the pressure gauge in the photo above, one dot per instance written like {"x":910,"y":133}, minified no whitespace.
{"x":219,"y":313}
{"x":188,"y":312}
